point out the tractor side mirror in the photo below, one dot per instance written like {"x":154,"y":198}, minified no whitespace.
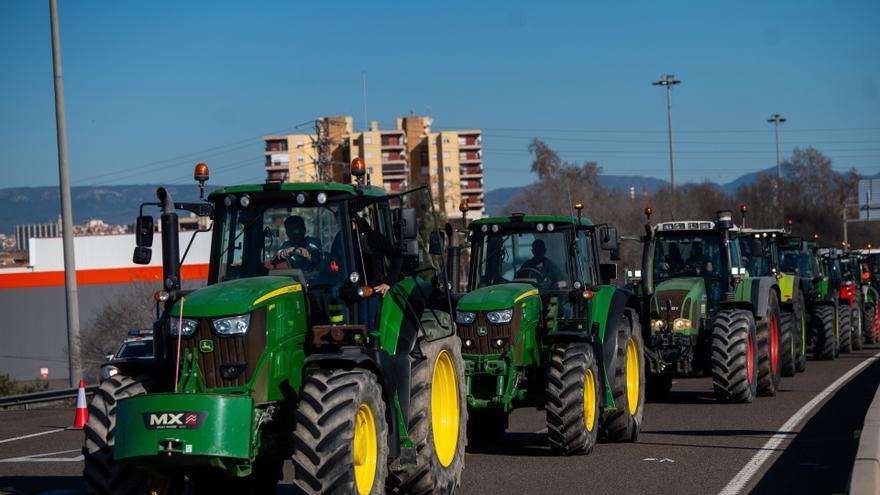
{"x":609,"y":240}
{"x":408,"y":224}
{"x":143,"y":231}
{"x":607,"y":271}
{"x":142,"y":255}
{"x":435,"y":246}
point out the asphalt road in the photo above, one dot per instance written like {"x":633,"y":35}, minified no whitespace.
{"x":689,"y":444}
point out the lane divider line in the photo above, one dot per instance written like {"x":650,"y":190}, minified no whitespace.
{"x":742,"y":478}
{"x":31,"y":435}
{"x":45,"y":458}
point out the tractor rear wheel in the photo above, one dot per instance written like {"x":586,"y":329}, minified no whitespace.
{"x":825,"y":330}
{"x":869,"y":322}
{"x":734,"y":356}
{"x":341,"y":436}
{"x":858,"y":329}
{"x":658,"y":387}
{"x":769,"y":349}
{"x":800,"y":334}
{"x":438,"y":420}
{"x":787,"y":347}
{"x":104,"y":475}
{"x":572,"y":399}
{"x":628,"y":386}
{"x":845,"y":330}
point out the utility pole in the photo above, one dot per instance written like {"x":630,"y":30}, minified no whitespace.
{"x":73,"y":347}
{"x":322,"y":147}
{"x":777,"y":119}
{"x":669,"y":81}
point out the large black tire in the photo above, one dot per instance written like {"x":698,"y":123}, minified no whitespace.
{"x":734,"y":356}
{"x":658,"y":387}
{"x":868,"y":323}
{"x":622,"y":423}
{"x":103,"y":475}
{"x":769,"y":349}
{"x":825,"y":332}
{"x":572,"y":402}
{"x":486,"y":427}
{"x":332,"y":403}
{"x":436,"y":378}
{"x":845,"y":330}
{"x":787,"y":341}
{"x":801,"y":336}
{"x":858,"y":334}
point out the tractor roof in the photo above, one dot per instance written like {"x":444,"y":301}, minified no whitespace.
{"x":685,"y":225}
{"x":303,"y":186}
{"x":515,"y":218}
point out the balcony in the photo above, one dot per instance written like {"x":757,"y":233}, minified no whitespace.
{"x":276,"y":146}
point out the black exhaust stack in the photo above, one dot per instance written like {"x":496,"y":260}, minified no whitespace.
{"x":170,"y":245}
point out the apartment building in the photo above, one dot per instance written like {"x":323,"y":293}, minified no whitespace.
{"x":410,"y":155}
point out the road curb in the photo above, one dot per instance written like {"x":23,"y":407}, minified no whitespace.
{"x":866,"y":470}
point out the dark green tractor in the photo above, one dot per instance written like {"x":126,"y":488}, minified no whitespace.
{"x":289,"y":353}
{"x":708,"y":316}
{"x":870,"y":273}
{"x":542,"y":326}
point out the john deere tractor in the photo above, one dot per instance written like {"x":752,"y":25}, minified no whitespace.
{"x":290,"y":353}
{"x":541,"y":326}
{"x":708,"y":315}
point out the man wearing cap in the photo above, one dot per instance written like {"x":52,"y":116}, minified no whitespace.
{"x":299,"y":250}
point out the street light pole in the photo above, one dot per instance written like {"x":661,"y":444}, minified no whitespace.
{"x":777,"y":119}
{"x":72,"y":299}
{"x":669,"y":81}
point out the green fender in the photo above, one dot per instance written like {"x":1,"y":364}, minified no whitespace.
{"x":754,"y":294}
{"x":609,"y":303}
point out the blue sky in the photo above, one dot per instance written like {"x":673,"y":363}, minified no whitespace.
{"x":153,"y":87}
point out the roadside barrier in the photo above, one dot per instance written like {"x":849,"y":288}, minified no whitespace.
{"x":43,"y":397}
{"x":866,"y":470}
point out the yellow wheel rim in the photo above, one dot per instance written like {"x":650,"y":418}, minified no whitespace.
{"x":632,"y":375}
{"x":444,"y":409}
{"x":365,"y":449}
{"x":589,"y":401}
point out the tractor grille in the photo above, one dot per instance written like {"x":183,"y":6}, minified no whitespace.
{"x":676,"y":298}
{"x":238,"y":351}
{"x":483,"y":344}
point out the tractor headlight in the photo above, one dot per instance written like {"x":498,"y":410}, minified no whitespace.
{"x":681,"y":324}
{"x":658,"y":324}
{"x":108,"y":371}
{"x":233,"y":325}
{"x":465,"y":317}
{"x":189,"y":326}
{"x":499,"y":317}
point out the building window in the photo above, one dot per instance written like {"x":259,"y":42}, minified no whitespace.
{"x":448,"y":170}
{"x":446,"y":139}
{"x":300,"y":174}
{"x":448,"y":183}
{"x":368,"y":140}
{"x":300,"y":159}
{"x":368,"y":155}
{"x":445,"y":154}
{"x":370,"y":170}
{"x":299,"y":142}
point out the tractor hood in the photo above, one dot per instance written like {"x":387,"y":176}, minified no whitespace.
{"x":235,"y":297}
{"x":685,"y":297}
{"x":496,"y":297}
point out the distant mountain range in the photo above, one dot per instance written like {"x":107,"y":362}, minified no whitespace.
{"x":119,"y":204}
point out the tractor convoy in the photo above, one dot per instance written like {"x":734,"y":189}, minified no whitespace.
{"x":342,"y":329}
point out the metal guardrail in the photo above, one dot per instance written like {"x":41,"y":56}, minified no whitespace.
{"x":46,"y":396}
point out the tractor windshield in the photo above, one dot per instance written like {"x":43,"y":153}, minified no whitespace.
{"x":538,"y":258}
{"x":685,"y":254}
{"x":284,"y":239}
{"x":799,"y":262}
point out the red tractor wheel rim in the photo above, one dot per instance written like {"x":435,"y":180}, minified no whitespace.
{"x":750,"y":359}
{"x":774,"y":343}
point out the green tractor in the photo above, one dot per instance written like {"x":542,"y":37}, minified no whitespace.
{"x":820,"y":288}
{"x":542,"y":326}
{"x":760,"y":249}
{"x":706,"y":313}
{"x":869,"y":259}
{"x":291,"y":353}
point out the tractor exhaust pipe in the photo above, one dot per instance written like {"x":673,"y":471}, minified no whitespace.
{"x":170,"y":244}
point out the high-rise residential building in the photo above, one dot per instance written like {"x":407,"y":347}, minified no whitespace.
{"x":411,"y":155}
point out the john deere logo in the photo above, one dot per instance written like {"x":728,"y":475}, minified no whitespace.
{"x":482,"y":331}
{"x":206,"y":346}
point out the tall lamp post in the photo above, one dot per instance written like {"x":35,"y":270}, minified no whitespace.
{"x":669,"y":81}
{"x":777,"y":119}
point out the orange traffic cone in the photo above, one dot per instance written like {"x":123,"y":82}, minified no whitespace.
{"x":82,"y":412}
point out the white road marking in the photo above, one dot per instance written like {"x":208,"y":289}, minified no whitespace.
{"x":31,"y":435}
{"x":44,"y":458}
{"x":743,"y":477}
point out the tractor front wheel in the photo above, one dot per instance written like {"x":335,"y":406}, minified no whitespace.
{"x":845,"y":330}
{"x":858,"y":328}
{"x":572,"y":399}
{"x":769,"y":349}
{"x":787,"y":347}
{"x":825,"y":330}
{"x":438,"y":419}
{"x":869,"y":323}
{"x":341,"y":436}
{"x":628,"y":387}
{"x":800,"y":333}
{"x":104,"y":475}
{"x":734,"y":356}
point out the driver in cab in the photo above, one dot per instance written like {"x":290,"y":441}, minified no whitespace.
{"x":540,"y":268}
{"x":299,"y":250}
